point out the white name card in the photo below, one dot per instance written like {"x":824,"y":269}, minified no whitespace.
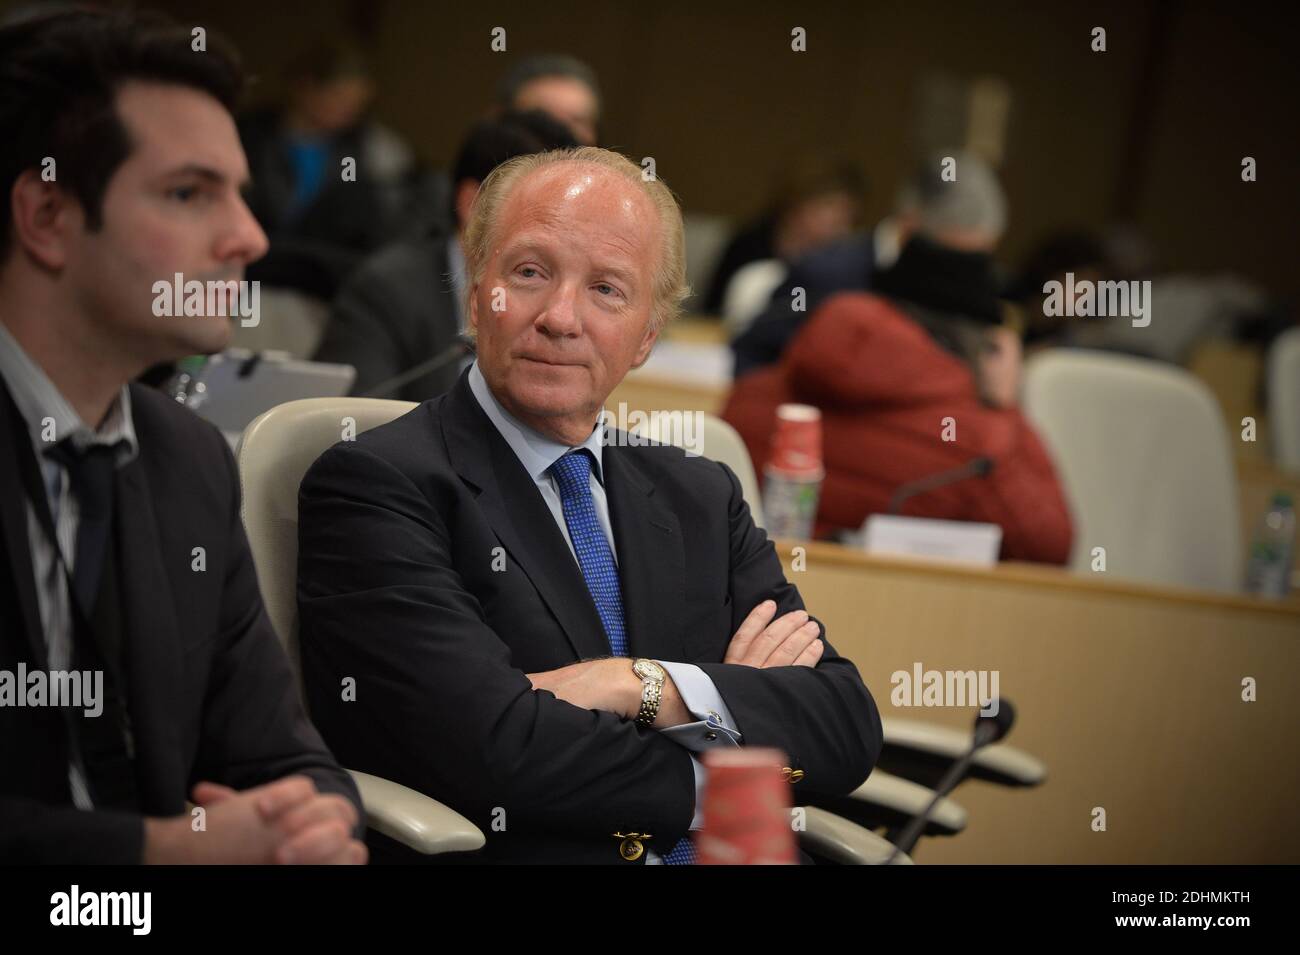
{"x":961,"y":541}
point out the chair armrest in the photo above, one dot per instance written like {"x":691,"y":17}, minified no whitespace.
{"x":908,"y":799}
{"x":413,"y":819}
{"x":845,"y":843}
{"x":998,"y":763}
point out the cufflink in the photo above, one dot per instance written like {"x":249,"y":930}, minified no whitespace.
{"x":792,"y":776}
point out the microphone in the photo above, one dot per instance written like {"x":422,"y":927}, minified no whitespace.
{"x":975,"y":467}
{"x":988,"y":729}
{"x":460,"y":347}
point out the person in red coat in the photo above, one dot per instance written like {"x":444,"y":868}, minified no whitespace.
{"x":888,"y":375}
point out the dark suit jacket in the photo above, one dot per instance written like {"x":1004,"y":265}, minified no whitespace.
{"x":395,"y":311}
{"x":432,"y":572}
{"x":211,"y":695}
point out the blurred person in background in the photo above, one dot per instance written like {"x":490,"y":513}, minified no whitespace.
{"x":319,"y":223}
{"x":561,"y":86}
{"x":887,"y":369}
{"x":1067,"y":251}
{"x":405,"y":305}
{"x":969,"y":214}
{"x":817,"y":202}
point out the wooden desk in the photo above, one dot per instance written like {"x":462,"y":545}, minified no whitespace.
{"x":697,"y":328}
{"x":1130,"y":694}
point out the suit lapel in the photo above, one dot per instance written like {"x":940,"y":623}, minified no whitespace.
{"x":14,"y":494}
{"x":151,"y":635}
{"x":520,"y":518}
{"x":651,"y":560}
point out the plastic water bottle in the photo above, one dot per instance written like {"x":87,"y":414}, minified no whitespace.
{"x":1268,"y":572}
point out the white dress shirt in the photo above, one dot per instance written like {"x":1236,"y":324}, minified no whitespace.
{"x":714,"y":724}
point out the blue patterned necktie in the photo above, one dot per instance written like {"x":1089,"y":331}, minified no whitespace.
{"x":596,"y":559}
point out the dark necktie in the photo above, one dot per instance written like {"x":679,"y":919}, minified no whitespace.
{"x":90,"y":473}
{"x":103,"y":740}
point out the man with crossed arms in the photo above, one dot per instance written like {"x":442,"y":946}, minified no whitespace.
{"x":545,"y":624}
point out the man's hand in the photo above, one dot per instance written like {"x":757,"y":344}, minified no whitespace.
{"x":760,"y":641}
{"x":610,"y":684}
{"x":593,"y":685}
{"x":283,"y":822}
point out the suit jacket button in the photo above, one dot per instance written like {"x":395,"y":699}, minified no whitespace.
{"x":631,"y":849}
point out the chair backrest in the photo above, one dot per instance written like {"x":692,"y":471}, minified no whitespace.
{"x":288,"y":321}
{"x":279,"y":446}
{"x":749,"y":292}
{"x":719,"y":442}
{"x":1284,"y":399}
{"x":1143,"y":453}
{"x":274,"y":454}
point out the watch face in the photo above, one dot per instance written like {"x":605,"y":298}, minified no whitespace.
{"x":648,"y":670}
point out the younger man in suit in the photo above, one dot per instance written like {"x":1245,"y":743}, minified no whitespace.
{"x":126,"y":572}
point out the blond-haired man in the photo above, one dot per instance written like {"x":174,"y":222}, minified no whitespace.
{"x":547,"y":623}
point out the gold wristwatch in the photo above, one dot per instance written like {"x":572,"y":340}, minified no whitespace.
{"x":652,"y":689}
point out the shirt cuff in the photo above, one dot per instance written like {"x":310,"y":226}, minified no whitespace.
{"x":715,"y":725}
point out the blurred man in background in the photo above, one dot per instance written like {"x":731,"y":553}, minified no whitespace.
{"x":405,"y":306}
{"x":816,"y":203}
{"x":296,"y":152}
{"x":968,"y":213}
{"x":562,"y":86}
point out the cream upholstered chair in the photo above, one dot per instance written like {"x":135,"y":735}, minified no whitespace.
{"x":1284,"y":399}
{"x":274,"y":453}
{"x":1146,"y":462}
{"x":290,"y":321}
{"x":719,"y":442}
{"x":749,"y":292}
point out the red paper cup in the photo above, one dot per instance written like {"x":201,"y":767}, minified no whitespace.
{"x":797,"y":440}
{"x":747,"y":817}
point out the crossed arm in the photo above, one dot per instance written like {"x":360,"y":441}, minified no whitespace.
{"x":439,"y":707}
{"x":763,"y":640}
